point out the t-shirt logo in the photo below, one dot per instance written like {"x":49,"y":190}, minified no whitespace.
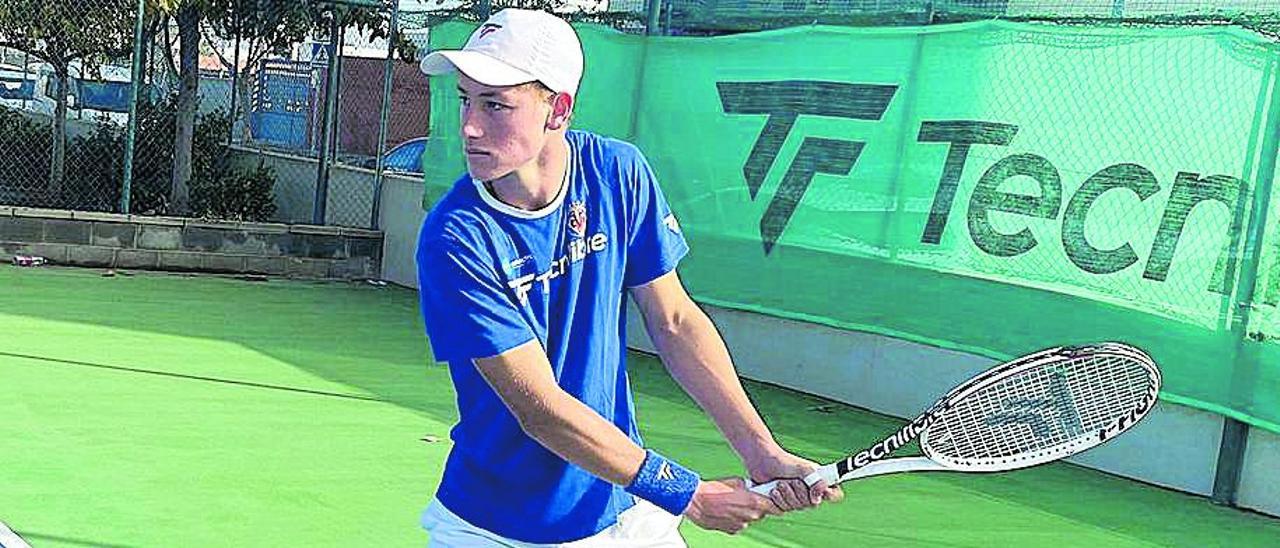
{"x":516,"y":265}
{"x":578,"y":218}
{"x":672,"y":224}
{"x":578,"y":248}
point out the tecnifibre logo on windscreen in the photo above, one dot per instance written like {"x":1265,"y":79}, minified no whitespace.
{"x":782,"y":102}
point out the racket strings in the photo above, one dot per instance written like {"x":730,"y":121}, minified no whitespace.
{"x":1119,"y":391}
{"x":1041,"y":409}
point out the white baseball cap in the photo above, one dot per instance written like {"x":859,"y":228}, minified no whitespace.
{"x":513,"y":47}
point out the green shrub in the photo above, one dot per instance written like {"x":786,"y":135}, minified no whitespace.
{"x":235,"y":195}
{"x":25,"y":145}
{"x":95,"y":167}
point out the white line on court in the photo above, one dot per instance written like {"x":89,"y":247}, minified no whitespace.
{"x":10,"y":539}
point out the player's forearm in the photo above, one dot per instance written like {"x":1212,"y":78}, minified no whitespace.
{"x":576,"y":433}
{"x":579,"y":435}
{"x":522,"y":377}
{"x":694,"y":353}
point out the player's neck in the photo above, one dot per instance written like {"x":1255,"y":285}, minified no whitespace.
{"x":536,"y":184}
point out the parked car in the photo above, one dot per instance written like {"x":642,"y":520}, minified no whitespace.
{"x":405,"y":157}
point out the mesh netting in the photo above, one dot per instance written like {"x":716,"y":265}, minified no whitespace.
{"x":990,"y":186}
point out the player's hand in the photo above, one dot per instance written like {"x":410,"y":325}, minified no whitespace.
{"x":792,"y":493}
{"x":727,"y":505}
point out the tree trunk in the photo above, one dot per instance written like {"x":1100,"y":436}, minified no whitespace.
{"x":188,"y":89}
{"x":58,"y":162}
{"x":244,"y":103}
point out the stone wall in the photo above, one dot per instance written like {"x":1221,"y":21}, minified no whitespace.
{"x":164,"y":243}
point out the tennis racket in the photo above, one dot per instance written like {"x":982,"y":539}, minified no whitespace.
{"x":1036,"y":409}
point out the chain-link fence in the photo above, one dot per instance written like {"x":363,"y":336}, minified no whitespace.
{"x":63,"y":100}
{"x":299,"y":155}
{"x":233,"y":117}
{"x":709,"y":17}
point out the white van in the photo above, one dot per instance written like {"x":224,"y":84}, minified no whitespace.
{"x":17,"y":87}
{"x":103,"y":95}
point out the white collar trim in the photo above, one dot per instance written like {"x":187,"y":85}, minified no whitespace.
{"x":555,"y":204}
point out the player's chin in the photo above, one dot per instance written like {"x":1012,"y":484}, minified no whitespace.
{"x":485,"y":169}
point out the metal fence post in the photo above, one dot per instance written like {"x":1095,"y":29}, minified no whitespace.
{"x":385,"y":116}
{"x":126,"y":187}
{"x":326,"y":126}
{"x":1235,"y":434}
{"x":652,"y":25}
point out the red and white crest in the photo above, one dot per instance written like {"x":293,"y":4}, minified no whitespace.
{"x":578,"y":218}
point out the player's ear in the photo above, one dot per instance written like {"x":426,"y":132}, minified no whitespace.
{"x":561,"y":111}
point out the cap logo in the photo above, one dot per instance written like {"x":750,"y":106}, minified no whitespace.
{"x":487,"y":29}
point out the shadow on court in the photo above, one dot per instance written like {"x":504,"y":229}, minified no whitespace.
{"x":362,"y":348}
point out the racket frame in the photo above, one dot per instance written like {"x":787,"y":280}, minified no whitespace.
{"x":872,"y":460}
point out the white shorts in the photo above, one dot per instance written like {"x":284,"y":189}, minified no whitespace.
{"x":642,"y":525}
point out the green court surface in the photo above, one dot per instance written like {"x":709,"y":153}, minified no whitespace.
{"x":168,"y":410}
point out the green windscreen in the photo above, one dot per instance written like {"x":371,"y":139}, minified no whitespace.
{"x":993,"y":187}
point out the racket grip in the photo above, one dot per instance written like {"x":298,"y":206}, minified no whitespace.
{"x":823,"y":473}
{"x":762,"y":488}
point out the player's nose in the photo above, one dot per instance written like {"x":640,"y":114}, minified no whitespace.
{"x":471,"y":130}
{"x":470,"y":126}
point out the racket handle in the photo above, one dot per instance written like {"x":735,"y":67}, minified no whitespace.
{"x":762,"y":488}
{"x":823,"y":473}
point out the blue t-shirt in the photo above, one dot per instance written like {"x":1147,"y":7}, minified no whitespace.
{"x":493,"y":277}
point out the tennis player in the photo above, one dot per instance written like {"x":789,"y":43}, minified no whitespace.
{"x":523,"y":266}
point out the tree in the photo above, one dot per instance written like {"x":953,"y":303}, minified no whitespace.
{"x":274,"y":25}
{"x":259,"y":28}
{"x":271,"y":27}
{"x":187,"y":15}
{"x":63,"y":34}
